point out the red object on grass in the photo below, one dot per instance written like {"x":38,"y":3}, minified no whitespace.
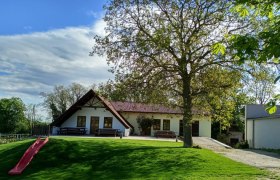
{"x":28,"y":156}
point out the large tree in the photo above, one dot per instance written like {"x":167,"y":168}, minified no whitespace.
{"x":259,"y":84}
{"x":169,"y":42}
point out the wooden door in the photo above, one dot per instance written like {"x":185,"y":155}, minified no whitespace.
{"x":94,"y":124}
{"x":181,"y":128}
{"x":146,"y":132}
{"x":195,"y":128}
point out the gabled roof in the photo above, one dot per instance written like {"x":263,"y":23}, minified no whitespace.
{"x":82,"y":101}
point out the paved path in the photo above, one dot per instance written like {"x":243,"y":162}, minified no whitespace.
{"x":257,"y":158}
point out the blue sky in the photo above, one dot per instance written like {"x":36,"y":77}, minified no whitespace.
{"x":44,"y":43}
{"x":27,"y":16}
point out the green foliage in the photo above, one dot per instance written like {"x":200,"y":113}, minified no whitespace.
{"x":219,"y":93}
{"x":144,"y":124}
{"x":271,"y":107}
{"x":242,"y":10}
{"x":242,"y":145}
{"x":219,"y":48}
{"x":259,"y":85}
{"x":223,"y":138}
{"x":61,"y":98}
{"x":262,"y":44}
{"x":88,"y":158}
{"x":12,"y":117}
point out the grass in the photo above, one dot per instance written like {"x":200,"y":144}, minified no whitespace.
{"x":86,"y":158}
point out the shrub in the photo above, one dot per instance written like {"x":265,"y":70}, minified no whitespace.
{"x":242,"y":145}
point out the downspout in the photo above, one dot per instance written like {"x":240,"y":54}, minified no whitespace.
{"x":246,"y":124}
{"x":253,"y":138}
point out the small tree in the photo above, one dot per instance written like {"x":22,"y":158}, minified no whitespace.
{"x":12,"y":119}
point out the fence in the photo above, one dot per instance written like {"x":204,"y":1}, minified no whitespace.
{"x":37,"y":130}
{"x":7,"y":138}
{"x":41,"y":130}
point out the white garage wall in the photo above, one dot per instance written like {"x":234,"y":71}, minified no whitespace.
{"x":267,"y":133}
{"x":249,"y":133}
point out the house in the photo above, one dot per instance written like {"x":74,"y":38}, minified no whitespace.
{"x":93,"y":111}
{"x":262,"y":130}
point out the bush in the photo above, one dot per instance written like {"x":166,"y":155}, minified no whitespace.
{"x":144,"y":124}
{"x":242,"y":145}
{"x":223,"y":138}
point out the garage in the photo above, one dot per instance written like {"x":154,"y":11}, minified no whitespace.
{"x":262,"y":130}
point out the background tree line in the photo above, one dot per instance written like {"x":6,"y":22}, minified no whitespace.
{"x":16,"y":117}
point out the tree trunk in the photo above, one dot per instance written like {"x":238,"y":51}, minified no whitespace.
{"x":187,"y":116}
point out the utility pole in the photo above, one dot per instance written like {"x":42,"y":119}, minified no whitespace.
{"x":32,"y":119}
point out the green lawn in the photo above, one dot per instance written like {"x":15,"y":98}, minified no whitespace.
{"x":86,"y":158}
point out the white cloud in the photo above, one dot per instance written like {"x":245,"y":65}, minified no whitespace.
{"x":35,"y":62}
{"x":99,"y":28}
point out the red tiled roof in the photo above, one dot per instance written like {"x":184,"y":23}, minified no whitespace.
{"x":144,"y":108}
{"x":151,"y":108}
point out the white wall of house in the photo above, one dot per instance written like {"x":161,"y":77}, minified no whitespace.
{"x":204,"y":127}
{"x":204,"y":122}
{"x":132,"y":116}
{"x":89,"y":112}
{"x":263,"y":133}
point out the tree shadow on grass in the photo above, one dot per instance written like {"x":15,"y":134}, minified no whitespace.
{"x":10,"y":157}
{"x":89,"y":159}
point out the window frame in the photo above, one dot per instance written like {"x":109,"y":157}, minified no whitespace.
{"x":81,"y":121}
{"x":166,"y":122}
{"x":105,"y":123}
{"x":156,"y":126}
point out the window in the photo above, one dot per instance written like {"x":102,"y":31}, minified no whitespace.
{"x":81,"y":121}
{"x":108,"y":122}
{"x":156,"y":124}
{"x":166,"y":124}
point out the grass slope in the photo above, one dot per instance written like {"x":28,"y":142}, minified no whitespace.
{"x":86,"y":158}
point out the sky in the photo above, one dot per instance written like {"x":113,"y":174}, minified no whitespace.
{"x":44,"y":43}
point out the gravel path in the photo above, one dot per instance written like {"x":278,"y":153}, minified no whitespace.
{"x":257,"y":158}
